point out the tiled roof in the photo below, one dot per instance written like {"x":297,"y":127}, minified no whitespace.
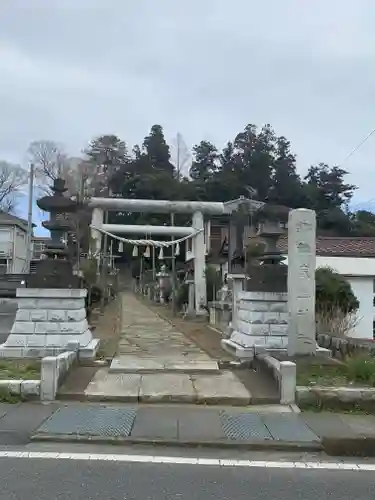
{"x":339,"y":246}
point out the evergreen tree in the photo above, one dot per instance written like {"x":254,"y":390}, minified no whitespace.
{"x":286,"y":185}
{"x":204,"y":161}
{"x":157,"y":150}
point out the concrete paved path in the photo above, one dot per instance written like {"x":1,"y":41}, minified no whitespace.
{"x":157,"y":363}
{"x":150,"y":344}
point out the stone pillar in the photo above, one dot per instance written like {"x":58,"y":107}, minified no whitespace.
{"x":301,"y":282}
{"x":47,"y":322}
{"x":97,"y":221}
{"x":237,"y":288}
{"x":199,"y":265}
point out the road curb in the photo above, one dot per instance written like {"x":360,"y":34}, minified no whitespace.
{"x":218,"y":443}
{"x":359,"y":446}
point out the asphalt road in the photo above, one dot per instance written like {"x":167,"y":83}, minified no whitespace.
{"x":43,"y":479}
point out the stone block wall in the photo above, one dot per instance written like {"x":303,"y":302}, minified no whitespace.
{"x":47,"y":320}
{"x":262,"y":320}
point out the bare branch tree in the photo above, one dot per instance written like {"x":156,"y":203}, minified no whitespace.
{"x":335,"y":322}
{"x":49,"y":160}
{"x":12,"y":179}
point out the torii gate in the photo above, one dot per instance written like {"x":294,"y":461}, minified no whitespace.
{"x":196,"y":230}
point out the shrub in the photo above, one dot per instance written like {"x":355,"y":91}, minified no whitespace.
{"x":333,"y":292}
{"x":362,"y":369}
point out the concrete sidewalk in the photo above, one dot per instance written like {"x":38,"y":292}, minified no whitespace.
{"x":254,"y":428}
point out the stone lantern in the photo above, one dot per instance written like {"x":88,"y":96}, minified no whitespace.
{"x":271,"y":274}
{"x":52,"y":316}
{"x":271,"y":223}
{"x":55,"y":270}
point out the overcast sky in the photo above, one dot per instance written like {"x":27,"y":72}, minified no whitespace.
{"x":70,"y":70}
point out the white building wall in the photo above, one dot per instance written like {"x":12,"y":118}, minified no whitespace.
{"x":13,"y":247}
{"x":19,"y":250}
{"x":360,"y":273}
{"x":363,"y":288}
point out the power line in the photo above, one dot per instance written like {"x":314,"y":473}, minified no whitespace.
{"x":354,"y":150}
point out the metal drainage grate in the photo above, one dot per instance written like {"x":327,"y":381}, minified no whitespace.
{"x":90,"y":421}
{"x":244,"y":426}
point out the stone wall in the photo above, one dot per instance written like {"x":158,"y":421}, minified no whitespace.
{"x":342,"y":347}
{"x":341,"y":398}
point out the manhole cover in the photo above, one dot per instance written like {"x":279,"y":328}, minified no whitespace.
{"x":244,"y":426}
{"x":90,"y":421}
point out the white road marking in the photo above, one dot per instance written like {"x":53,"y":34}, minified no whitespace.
{"x":218,"y":462}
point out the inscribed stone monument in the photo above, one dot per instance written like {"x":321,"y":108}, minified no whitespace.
{"x":301,"y":281}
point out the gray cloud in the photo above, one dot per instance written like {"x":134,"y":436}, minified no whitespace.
{"x":70,"y":70}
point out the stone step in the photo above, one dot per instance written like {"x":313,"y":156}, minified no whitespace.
{"x":223,"y":388}
{"x":130,"y":364}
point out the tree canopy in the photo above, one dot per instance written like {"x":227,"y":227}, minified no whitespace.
{"x":256,"y":162}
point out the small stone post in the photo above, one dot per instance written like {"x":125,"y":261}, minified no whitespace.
{"x":301,"y":281}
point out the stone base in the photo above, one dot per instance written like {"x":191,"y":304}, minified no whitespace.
{"x":88,"y":352}
{"x":283,"y":353}
{"x":237,"y":350}
{"x":261,"y":341}
{"x":246,"y":347}
{"x":47,"y":322}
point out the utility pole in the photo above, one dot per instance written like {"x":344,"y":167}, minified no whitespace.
{"x":29,"y":220}
{"x":178,"y":157}
{"x":104,"y":268}
{"x":81,"y":197}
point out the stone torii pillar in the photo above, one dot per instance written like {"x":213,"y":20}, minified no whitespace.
{"x":199,"y":265}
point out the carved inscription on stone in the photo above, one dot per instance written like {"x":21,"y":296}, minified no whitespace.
{"x":301,"y":281}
